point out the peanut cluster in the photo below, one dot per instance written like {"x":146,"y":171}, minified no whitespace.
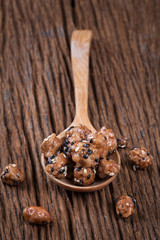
{"x":82,"y":156}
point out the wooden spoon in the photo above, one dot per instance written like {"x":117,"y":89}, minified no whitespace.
{"x":80,"y":47}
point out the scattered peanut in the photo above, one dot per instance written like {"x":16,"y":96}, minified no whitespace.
{"x":12,"y":175}
{"x":107,"y":168}
{"x":140,"y":158}
{"x":122,"y":142}
{"x":37,"y":215}
{"x":125,"y":206}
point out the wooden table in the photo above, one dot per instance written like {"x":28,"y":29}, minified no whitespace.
{"x":37,"y":99}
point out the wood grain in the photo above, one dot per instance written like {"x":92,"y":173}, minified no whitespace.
{"x":37,"y":98}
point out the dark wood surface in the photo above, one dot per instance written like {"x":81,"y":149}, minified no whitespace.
{"x":37,"y":98}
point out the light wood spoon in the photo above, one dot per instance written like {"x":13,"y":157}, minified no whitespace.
{"x":80,"y":47}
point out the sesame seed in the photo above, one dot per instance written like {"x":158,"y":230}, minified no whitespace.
{"x":111,"y":174}
{"x":81,"y":182}
{"x":72,"y":143}
{"x":65,"y":144}
{"x":143,"y":158}
{"x":134,"y":167}
{"x":91,"y":141}
{"x":49,"y":162}
{"x":96,"y":160}
{"x":52,"y":169}
{"x":48,"y":137}
{"x":120,"y":214}
{"x":6,"y":170}
{"x":86,"y":145}
{"x":13,"y":165}
{"x":78,"y":168}
{"x":77,"y":148}
{"x":84,"y":141}
{"x":67,"y":149}
{"x":88,"y":177}
{"x":85,"y":156}
{"x":61,"y":170}
{"x":65,"y":171}
{"x":76,"y":180}
{"x":51,"y":157}
{"x":85,"y":170}
{"x":123,"y":146}
{"x":134,"y":201}
{"x":18,"y":175}
{"x":64,"y":155}
{"x":89,"y":151}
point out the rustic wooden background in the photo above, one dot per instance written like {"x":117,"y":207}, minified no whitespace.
{"x":37,"y":98}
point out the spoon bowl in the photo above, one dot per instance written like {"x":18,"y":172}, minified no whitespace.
{"x":80,"y":47}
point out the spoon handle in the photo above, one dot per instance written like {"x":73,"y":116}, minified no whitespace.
{"x":80,"y":47}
